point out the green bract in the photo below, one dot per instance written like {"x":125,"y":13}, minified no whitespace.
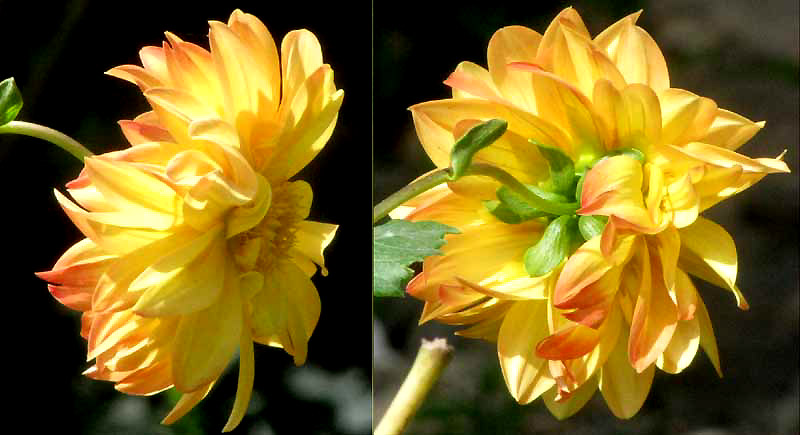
{"x":560,"y":238}
{"x":10,"y":101}
{"x":477,"y":138}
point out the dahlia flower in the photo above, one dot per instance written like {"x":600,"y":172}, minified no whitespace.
{"x":197,"y":243}
{"x":600,"y":297}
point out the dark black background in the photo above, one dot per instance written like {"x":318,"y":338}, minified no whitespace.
{"x":57,"y":52}
{"x":742,"y":54}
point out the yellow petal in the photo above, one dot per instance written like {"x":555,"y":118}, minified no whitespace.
{"x":286,"y":310}
{"x":576,"y":401}
{"x":473,"y":81}
{"x":176,"y":109}
{"x":261,"y":47}
{"x":308,"y":117}
{"x":245,"y":384}
{"x":709,"y":253}
{"x":301,"y":55}
{"x":205,"y":341}
{"x":183,"y":281}
{"x":623,"y":389}
{"x":435,"y":122}
{"x":526,"y":375}
{"x":707,"y":340}
{"x":686,"y":117}
{"x":186,"y":403}
{"x":682,"y":347}
{"x":633,"y":115}
{"x":513,"y":44}
{"x":730,"y":130}
{"x":311,"y":240}
{"x":249,"y":215}
{"x":654,"y":317}
{"x":135,"y":193}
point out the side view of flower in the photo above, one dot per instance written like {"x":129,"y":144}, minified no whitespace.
{"x":197,"y":242}
{"x":595,"y":291}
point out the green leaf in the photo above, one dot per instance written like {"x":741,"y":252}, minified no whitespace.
{"x":512,"y":208}
{"x":560,"y":238}
{"x":10,"y":101}
{"x":396,"y":245}
{"x":562,"y":169}
{"x":477,"y":138}
{"x":591,"y":226}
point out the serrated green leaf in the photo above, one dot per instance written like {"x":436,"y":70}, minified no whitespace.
{"x":591,"y":226}
{"x":10,"y":101}
{"x":477,"y":138}
{"x":396,"y":245}
{"x":562,"y":169}
{"x":557,"y":242}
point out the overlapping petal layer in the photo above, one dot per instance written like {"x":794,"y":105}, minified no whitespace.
{"x":651,"y":158}
{"x":197,"y":243}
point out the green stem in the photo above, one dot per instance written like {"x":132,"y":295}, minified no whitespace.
{"x":55,"y":137}
{"x":417,"y":187}
{"x":440,"y":176}
{"x":512,"y":183}
{"x":432,"y":358}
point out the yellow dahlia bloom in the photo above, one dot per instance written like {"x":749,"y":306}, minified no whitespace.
{"x":647,"y":159}
{"x":197,"y":243}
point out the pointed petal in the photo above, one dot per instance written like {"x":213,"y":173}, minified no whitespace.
{"x":526,"y":374}
{"x":286,"y":310}
{"x":623,"y":389}
{"x":682,"y":348}
{"x":730,"y":130}
{"x":245,"y":384}
{"x":311,"y":240}
{"x":205,"y":341}
{"x":707,"y":339}
{"x":686,"y":116}
{"x":709,"y":253}
{"x":186,"y":403}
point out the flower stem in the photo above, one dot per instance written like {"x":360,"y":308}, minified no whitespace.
{"x":415,"y":188}
{"x":440,"y":176}
{"x":55,"y":137}
{"x":556,"y":208}
{"x":432,"y":358}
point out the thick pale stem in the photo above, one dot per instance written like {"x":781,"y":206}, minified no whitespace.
{"x":55,"y":137}
{"x":432,"y":358}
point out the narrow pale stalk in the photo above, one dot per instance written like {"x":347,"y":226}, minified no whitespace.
{"x":55,"y":137}
{"x":417,"y":187}
{"x":432,"y":358}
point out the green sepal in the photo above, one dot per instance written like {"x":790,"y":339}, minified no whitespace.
{"x":511,"y":208}
{"x":503,"y":212}
{"x":10,"y":101}
{"x":562,"y":168}
{"x":591,"y":226}
{"x":396,"y":245}
{"x":477,"y":138}
{"x":633,"y":153}
{"x":559,"y":240}
{"x":579,"y":187}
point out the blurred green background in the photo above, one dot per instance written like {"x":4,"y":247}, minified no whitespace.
{"x":742,"y":54}
{"x":58,"y":51}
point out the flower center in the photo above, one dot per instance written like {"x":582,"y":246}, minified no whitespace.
{"x":263,"y":246}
